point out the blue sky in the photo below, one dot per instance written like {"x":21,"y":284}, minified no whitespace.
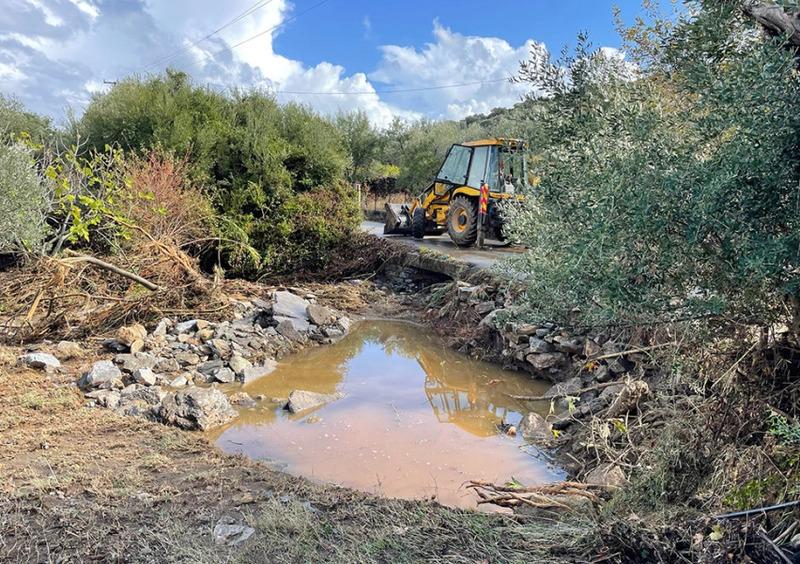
{"x":341,"y":54}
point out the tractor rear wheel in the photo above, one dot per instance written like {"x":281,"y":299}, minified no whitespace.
{"x":418,"y":223}
{"x":462,"y":221}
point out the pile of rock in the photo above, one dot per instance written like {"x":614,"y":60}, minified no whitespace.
{"x":167,"y":374}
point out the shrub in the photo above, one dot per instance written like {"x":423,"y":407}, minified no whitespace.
{"x":24,"y":200}
{"x":672,"y":195}
{"x":256,"y":159}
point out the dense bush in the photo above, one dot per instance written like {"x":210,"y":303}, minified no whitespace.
{"x":673,"y":194}
{"x":24,"y":200}
{"x":15,"y":121}
{"x":261,"y":164}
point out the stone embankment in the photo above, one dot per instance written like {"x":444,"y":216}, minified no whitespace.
{"x":176,"y":372}
{"x":591,"y":371}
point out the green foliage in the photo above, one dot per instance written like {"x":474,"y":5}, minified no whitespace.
{"x":262,"y":163}
{"x":780,"y":428}
{"x":24,"y":200}
{"x":16,"y":122}
{"x":672,"y":193}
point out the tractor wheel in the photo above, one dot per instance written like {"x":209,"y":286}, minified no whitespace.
{"x":462,"y":221}
{"x":418,"y":223}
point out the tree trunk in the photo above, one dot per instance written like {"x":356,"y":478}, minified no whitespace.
{"x":774,"y":19}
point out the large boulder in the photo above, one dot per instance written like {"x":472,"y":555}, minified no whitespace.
{"x":303,"y":400}
{"x":101,"y":372}
{"x":288,"y":330}
{"x":132,"y":362}
{"x":292,"y":308}
{"x":534,"y":428}
{"x":40,"y":360}
{"x":196,"y":408}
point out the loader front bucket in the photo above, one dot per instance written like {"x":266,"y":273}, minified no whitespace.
{"x":398,"y":220}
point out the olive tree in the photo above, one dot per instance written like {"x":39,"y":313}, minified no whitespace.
{"x":24,"y":200}
{"x":672,"y":192}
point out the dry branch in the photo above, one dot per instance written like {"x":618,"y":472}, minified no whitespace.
{"x":75,"y":257}
{"x":541,"y":496}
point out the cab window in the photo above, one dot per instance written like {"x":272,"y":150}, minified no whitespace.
{"x":477,"y":170}
{"x":454,"y":169}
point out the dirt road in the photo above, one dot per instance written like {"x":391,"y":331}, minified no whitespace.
{"x":484,"y":257}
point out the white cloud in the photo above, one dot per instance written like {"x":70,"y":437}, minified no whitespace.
{"x":454,"y":58}
{"x":60,"y":52}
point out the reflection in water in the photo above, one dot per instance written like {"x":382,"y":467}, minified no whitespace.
{"x":417,"y":419}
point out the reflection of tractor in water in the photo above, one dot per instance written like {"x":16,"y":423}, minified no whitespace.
{"x":463,"y":199}
{"x":456,"y":397}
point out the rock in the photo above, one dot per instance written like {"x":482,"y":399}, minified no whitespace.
{"x":224,"y":375}
{"x":568,"y":345}
{"x":205,"y":333}
{"x":66,"y":350}
{"x":607,"y":475}
{"x":113,"y":384}
{"x":242,"y":399}
{"x":167,"y":365}
{"x":253,"y":373}
{"x":533,"y":427}
{"x":179,"y":381}
{"x":303,"y":400}
{"x":209,"y":367}
{"x":602,"y":373}
{"x":131,"y":333}
{"x":332,"y":332}
{"x":137,"y":346}
{"x":488,"y":321}
{"x":114,"y":345}
{"x":201,"y":324}
{"x":187,"y":358}
{"x":344,"y":323}
{"x":511,"y":431}
{"x":287,"y":306}
{"x":229,"y":533}
{"x":537,"y":345}
{"x":628,"y":398}
{"x":319,"y":315}
{"x":543,"y":361}
{"x":221,"y":347}
{"x":591,"y":348}
{"x":162,"y":327}
{"x":484,"y":307}
{"x":620,"y":365}
{"x":101,"y":372}
{"x":567,"y":388}
{"x":186,"y":326}
{"x":196,"y":408}
{"x":105,"y":398}
{"x":288,"y":330}
{"x":144,"y":376}
{"x":40,"y":360}
{"x":131,"y":362}
{"x":526,"y":329}
{"x":794,"y":542}
{"x":239,"y":364}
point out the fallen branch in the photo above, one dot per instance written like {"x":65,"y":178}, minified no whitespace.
{"x":541,"y":496}
{"x":573,"y":393}
{"x":75,"y":257}
{"x":757,"y":510}
{"x":631,"y":351}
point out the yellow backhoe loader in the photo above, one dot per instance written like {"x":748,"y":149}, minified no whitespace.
{"x":452,"y":202}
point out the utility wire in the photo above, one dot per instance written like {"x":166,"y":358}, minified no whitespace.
{"x":394,"y":90}
{"x":257,"y":6}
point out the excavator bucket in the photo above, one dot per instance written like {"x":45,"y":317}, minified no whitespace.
{"x":398,"y":220}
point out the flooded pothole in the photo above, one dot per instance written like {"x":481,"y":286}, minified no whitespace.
{"x":416,"y":420}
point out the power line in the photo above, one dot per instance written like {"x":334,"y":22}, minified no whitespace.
{"x":257,"y":35}
{"x":257,"y":6}
{"x":394,"y":90}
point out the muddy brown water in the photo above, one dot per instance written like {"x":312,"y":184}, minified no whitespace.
{"x":417,"y":419}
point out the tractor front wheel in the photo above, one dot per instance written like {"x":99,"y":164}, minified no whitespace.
{"x":418,"y":223}
{"x":462,"y":221}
